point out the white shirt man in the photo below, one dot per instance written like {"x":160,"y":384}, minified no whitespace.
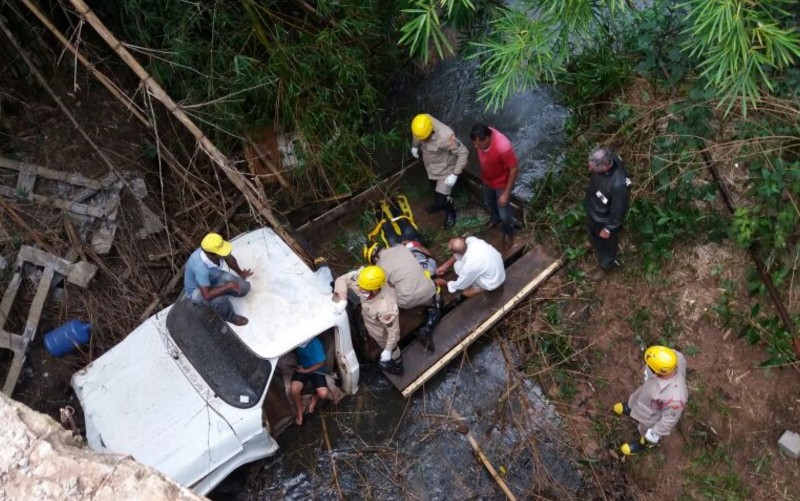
{"x":478,"y":265}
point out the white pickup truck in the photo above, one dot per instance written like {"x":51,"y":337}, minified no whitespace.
{"x":187,"y":393}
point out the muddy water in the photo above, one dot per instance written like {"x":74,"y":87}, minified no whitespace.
{"x":384,"y":447}
{"x":378,"y":445}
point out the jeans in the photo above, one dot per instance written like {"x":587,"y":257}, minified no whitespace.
{"x":222,"y":304}
{"x":502,"y":214}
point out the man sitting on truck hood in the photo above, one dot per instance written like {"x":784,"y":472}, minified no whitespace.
{"x":205,"y":282}
{"x":479,"y":267}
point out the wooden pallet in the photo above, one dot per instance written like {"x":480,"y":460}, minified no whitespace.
{"x":76,"y":273}
{"x":471,"y":319}
{"x":26,"y":185}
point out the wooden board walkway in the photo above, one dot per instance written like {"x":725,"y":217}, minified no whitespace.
{"x":471,"y":319}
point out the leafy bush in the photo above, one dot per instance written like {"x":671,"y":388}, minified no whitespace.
{"x":238,"y":65}
{"x":772,"y":220}
{"x":593,"y":75}
{"x":740,"y":43}
{"x":657,"y":37}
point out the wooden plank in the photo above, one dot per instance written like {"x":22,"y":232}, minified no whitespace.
{"x":471,"y":319}
{"x":26,"y":180}
{"x":41,"y":258}
{"x":31,"y":325}
{"x":35,"y":313}
{"x":14,"y":371}
{"x":105,"y":183}
{"x":10,"y":294}
{"x":375,"y":192}
{"x":31,"y":169}
{"x":58,"y":203}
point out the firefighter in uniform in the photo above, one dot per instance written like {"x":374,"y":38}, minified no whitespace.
{"x":444,"y":156}
{"x":412,"y":286}
{"x":658,"y":403}
{"x":378,"y":309}
{"x":409,"y":267}
{"x":606,"y":205}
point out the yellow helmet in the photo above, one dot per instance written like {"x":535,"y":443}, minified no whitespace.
{"x":370,"y":252}
{"x":660,"y":359}
{"x":422,"y":126}
{"x":215,"y":244}
{"x":371,"y":278}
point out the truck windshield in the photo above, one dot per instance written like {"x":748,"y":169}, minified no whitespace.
{"x":226,"y":364}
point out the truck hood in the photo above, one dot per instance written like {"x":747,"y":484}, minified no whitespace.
{"x":138,"y":401}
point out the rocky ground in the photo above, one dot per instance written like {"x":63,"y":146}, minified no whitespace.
{"x":41,"y":460}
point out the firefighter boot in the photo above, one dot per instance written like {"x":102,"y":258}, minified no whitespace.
{"x":450,"y":210}
{"x":635,"y":446}
{"x":622,"y":409}
{"x":393,"y":367}
{"x":425,"y":333}
{"x":439,"y":203}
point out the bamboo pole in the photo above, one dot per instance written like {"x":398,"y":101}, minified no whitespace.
{"x":126,"y":101}
{"x":228,"y":168}
{"x":146,"y":213}
{"x":463,"y":429}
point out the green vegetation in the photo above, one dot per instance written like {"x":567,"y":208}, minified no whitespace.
{"x":665,"y":126}
{"x":735,"y":47}
{"x":239,"y":66}
{"x":739,"y":44}
{"x":553,"y":349}
{"x":712,"y":475}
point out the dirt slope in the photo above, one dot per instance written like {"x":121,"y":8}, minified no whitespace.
{"x":725,"y":446}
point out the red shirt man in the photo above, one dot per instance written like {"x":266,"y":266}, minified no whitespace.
{"x":498,"y":164}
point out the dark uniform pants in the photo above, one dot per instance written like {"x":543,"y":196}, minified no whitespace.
{"x":605,"y":248}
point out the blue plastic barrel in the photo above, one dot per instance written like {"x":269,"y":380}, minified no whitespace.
{"x":64,"y":339}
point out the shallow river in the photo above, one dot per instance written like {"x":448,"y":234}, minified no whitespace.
{"x":385,"y":447}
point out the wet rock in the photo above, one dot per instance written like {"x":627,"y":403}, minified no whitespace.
{"x":41,"y":460}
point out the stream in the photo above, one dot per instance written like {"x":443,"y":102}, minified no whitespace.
{"x":384,"y":447}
